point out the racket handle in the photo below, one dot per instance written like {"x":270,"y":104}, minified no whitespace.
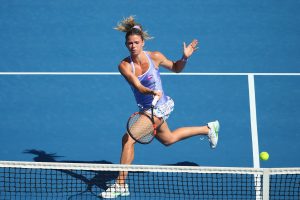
{"x":155,"y":100}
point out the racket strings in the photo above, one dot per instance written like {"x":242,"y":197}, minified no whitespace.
{"x":141,"y":127}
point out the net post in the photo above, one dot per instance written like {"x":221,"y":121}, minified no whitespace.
{"x":266,"y":184}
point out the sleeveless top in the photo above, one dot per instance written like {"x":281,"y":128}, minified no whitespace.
{"x":150,"y":79}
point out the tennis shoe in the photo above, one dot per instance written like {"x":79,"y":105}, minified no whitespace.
{"x":114,"y":191}
{"x":213,"y":134}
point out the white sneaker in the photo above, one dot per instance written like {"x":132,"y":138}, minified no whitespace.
{"x":213,"y":134}
{"x":114,"y":191}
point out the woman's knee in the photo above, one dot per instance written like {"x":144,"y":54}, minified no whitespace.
{"x":126,"y":139}
{"x":167,"y":144}
{"x":167,"y":141}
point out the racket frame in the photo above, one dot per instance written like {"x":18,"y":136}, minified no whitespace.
{"x":151,"y":117}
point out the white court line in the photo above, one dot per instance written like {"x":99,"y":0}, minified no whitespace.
{"x":59,"y":73}
{"x":253,"y":118}
{"x":231,"y":74}
{"x":254,"y":135}
{"x":162,"y":73}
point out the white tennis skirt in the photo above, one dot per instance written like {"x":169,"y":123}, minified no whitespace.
{"x":164,"y":110}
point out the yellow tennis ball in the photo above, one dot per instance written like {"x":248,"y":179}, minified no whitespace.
{"x":264,"y":155}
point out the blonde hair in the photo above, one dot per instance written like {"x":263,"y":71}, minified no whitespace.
{"x":131,"y":27}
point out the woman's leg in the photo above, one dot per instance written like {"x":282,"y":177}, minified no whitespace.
{"x":168,"y":137}
{"x":127,"y":156}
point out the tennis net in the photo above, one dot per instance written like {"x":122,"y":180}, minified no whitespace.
{"x":45,"y":180}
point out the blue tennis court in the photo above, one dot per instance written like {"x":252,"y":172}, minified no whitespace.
{"x":57,"y":115}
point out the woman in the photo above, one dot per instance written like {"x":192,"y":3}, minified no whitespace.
{"x":141,"y":70}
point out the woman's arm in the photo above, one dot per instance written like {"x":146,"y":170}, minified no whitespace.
{"x":125,"y":70}
{"x":179,"y":65}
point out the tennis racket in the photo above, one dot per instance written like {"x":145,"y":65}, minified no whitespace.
{"x":141,"y":126}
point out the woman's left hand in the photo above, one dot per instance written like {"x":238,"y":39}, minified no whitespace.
{"x":188,"y":50}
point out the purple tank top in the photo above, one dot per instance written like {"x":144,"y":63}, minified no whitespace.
{"x":150,"y":79}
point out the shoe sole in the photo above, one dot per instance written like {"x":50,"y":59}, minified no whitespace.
{"x":116,"y":195}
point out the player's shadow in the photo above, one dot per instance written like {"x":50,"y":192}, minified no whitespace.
{"x":99,"y":179}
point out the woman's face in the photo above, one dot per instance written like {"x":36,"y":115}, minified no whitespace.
{"x":135,"y":44}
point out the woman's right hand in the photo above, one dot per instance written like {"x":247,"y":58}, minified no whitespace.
{"x":157,"y":93}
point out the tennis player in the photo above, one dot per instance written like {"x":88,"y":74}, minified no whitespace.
{"x":141,"y":70}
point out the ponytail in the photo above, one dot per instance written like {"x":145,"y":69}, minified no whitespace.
{"x":130,"y":27}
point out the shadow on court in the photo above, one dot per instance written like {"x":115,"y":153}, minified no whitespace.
{"x":42,"y":156}
{"x":100,"y":179}
{"x":94,"y":181}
